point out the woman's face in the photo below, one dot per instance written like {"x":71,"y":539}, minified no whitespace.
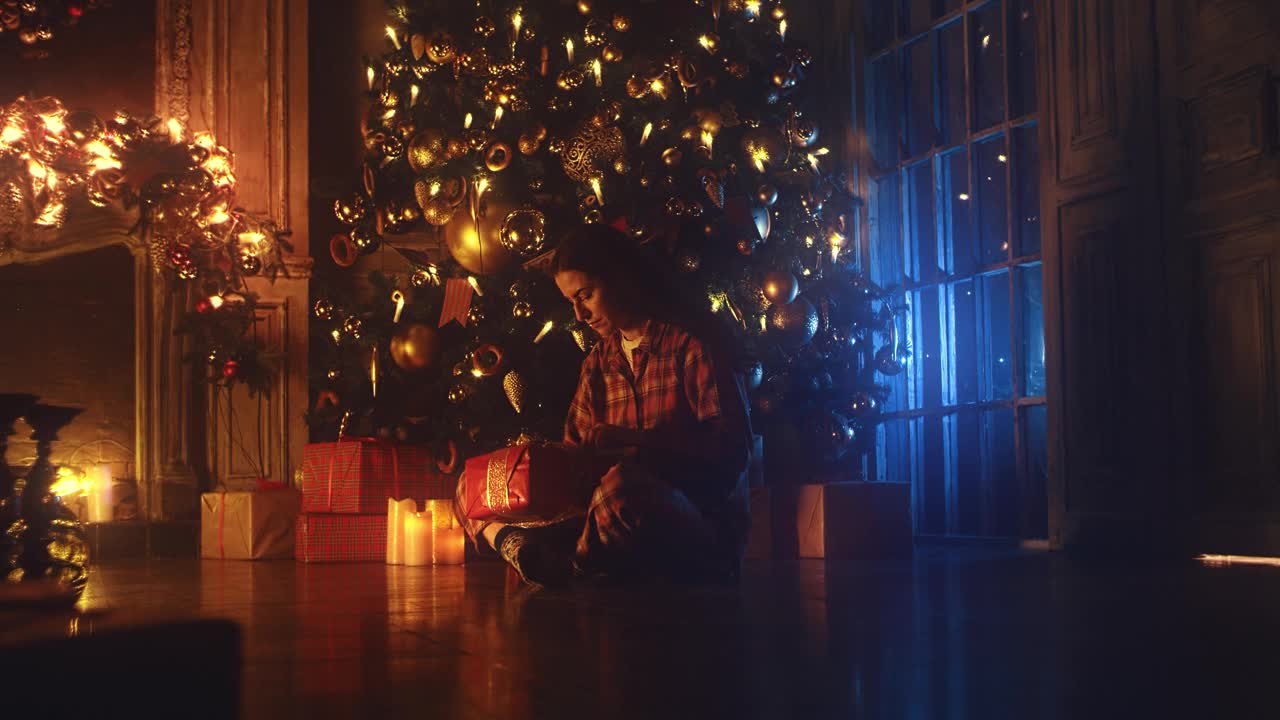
{"x":591,"y":302}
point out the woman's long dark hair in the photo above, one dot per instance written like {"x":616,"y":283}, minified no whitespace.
{"x":638,"y":278}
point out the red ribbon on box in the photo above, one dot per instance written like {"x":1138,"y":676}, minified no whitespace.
{"x":529,"y":482}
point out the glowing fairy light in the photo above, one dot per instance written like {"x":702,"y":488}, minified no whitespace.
{"x":644,"y":136}
{"x":753,"y":8}
{"x":517,"y":21}
{"x":659,"y":88}
{"x":705,"y":42}
{"x":1002,"y":158}
{"x":813,"y":161}
{"x":390,"y":113}
{"x":763,"y":324}
{"x":373,"y":370}
{"x":568,"y":49}
{"x":393,"y":36}
{"x":598,"y":70}
{"x":986,"y":40}
{"x":497,"y":117}
{"x":215,"y":301}
{"x":546,"y":328}
{"x":397,"y":297}
{"x":759,"y":156}
{"x":481,"y":183}
{"x":708,"y":140}
{"x":204,"y":140}
{"x":175,"y":130}
{"x":808,"y":241}
{"x":822,"y":151}
{"x":717,"y":302}
{"x":782,"y":29}
{"x":337,"y":336}
{"x":11,"y":134}
{"x":963,"y":196}
{"x":371,"y":75}
{"x":475,"y":285}
{"x":53,"y":123}
{"x":466,"y":122}
{"x":597,"y":189}
{"x":413,"y":94}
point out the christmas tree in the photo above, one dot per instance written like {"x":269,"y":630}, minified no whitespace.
{"x":494,"y":128}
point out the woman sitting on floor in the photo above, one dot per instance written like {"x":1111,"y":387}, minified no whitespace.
{"x":658,"y":391}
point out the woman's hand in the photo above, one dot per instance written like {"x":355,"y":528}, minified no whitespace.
{"x":609,"y":438}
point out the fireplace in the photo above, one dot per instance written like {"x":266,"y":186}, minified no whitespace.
{"x":86,"y":322}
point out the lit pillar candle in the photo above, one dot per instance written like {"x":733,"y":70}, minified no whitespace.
{"x":100,"y":505}
{"x":397,"y":511}
{"x":417,"y":538}
{"x":449,"y":543}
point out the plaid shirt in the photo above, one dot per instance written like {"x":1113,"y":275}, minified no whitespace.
{"x":676,"y":393}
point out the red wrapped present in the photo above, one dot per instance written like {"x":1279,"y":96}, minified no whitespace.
{"x":339,"y":537}
{"x":529,"y":482}
{"x":357,"y":475}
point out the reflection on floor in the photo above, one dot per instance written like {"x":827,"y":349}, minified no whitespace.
{"x":950,"y":633}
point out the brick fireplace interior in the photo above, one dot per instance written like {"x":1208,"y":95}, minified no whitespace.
{"x":69,"y":335}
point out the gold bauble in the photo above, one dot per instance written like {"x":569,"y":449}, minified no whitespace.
{"x":427,"y":149}
{"x":415,"y":347}
{"x":556,"y":146}
{"x":473,"y":236}
{"x":497,"y":157}
{"x":528,"y":144}
{"x":514,"y":386}
{"x":671,"y":157}
{"x":522,"y":310}
{"x":591,"y":150}
{"x":323,"y":309}
{"x":476,"y":315}
{"x":780,"y":287}
{"x":746,"y":246}
{"x":621,"y":22}
{"x":486,"y":360}
{"x":592,"y":216}
{"x":441,"y":48}
{"x":353,"y":327}
{"x":637,"y":87}
{"x":621,"y":166}
{"x":584,"y":7}
{"x":483,"y":26}
{"x":458,"y":394}
{"x":421,"y":277}
{"x":611,"y":53}
{"x":594,"y":33}
{"x":350,"y":210}
{"x":457,"y":147}
{"x":570,"y":79}
{"x":711,"y":42}
{"x":524,"y":231}
{"x":804,"y":134}
{"x":763,"y":144}
{"x":794,"y":324}
{"x":437,"y":212}
{"x":477,"y":138}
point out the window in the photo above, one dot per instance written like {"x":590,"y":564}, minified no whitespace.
{"x":953,"y":226}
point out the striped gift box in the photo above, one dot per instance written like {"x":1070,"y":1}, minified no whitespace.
{"x":340,"y":537}
{"x":357,"y":476}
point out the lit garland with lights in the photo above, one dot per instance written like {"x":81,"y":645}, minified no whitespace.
{"x":54,"y":163}
{"x":34,"y":21}
{"x":495,"y":127}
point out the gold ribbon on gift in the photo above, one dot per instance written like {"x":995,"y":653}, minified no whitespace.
{"x":497,"y":483}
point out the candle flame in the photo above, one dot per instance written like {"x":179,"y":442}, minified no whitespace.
{"x":497,"y":116}
{"x":337,"y":336}
{"x":595,"y":188}
{"x":413,"y":94}
{"x":598,"y":71}
{"x":546,"y":328}
{"x":705,"y":42}
{"x":395,"y":39}
{"x":759,"y":156}
{"x":568,"y":49}
{"x":707,"y":140}
{"x":782,"y":29}
{"x":517,"y":20}
{"x":644,"y":136}
{"x":475,"y":285}
{"x":753,"y":7}
{"x":466,"y":122}
{"x":371,"y":75}
{"x":373,"y":370}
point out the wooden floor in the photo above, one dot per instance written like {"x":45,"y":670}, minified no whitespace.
{"x":950,"y":633}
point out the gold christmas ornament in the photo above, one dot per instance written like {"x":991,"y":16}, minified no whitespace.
{"x":528,"y":144}
{"x":364,"y":239}
{"x":688,"y":261}
{"x":611,"y":54}
{"x":793,"y":324}
{"x":486,"y":360}
{"x":780,"y":287}
{"x":672,"y":156}
{"x":570,"y":79}
{"x":746,"y":246}
{"x":422,"y":277}
{"x":349,"y":210}
{"x":483,"y":26}
{"x":637,"y":87}
{"x":473,"y":236}
{"x":621,"y":166}
{"x":456,"y":147}
{"x":497,"y":157}
{"x":591,"y":150}
{"x":524,"y":231}
{"x":522,"y":310}
{"x":556,"y":146}
{"x":458,"y":394}
{"x":323,"y":310}
{"x":514,"y":386}
{"x":804,"y":134}
{"x":585,"y":7}
{"x":441,"y":48}
{"x":427,"y":149}
{"x":594,"y":33}
{"x":353,"y":326}
{"x":476,"y":315}
{"x":621,"y":22}
{"x":415,"y":347}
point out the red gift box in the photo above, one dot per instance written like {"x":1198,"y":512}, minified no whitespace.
{"x":336,"y":537}
{"x":358,"y":475}
{"x":529,"y":482}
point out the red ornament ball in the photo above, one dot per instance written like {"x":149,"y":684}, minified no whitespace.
{"x":230,"y":369}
